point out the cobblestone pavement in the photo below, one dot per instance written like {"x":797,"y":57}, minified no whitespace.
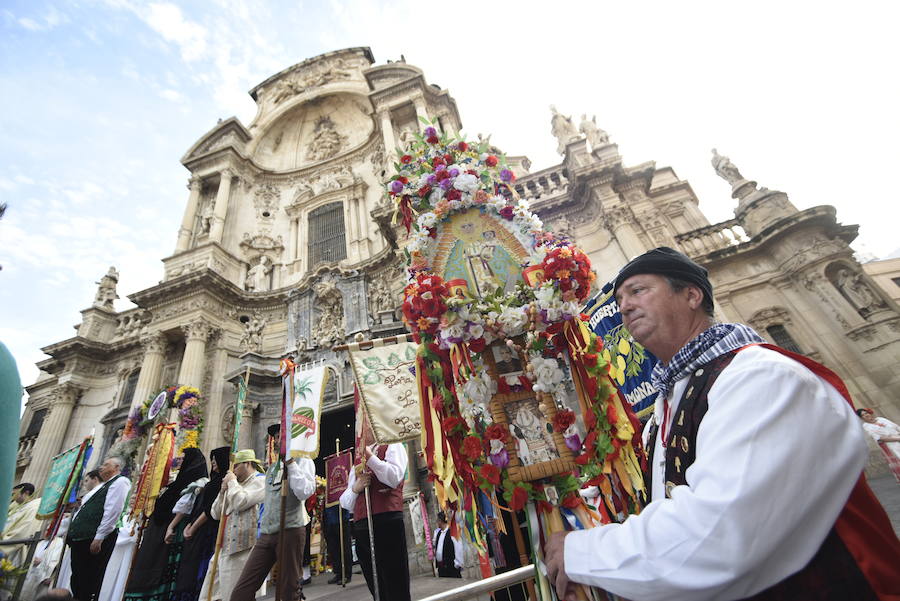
{"x":886,"y":488}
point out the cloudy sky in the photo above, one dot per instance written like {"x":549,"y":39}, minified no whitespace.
{"x":100,"y":99}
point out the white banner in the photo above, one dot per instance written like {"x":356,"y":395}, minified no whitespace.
{"x":306,"y":414}
{"x":386,"y":380}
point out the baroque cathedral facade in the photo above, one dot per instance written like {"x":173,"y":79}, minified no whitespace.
{"x":287,"y":246}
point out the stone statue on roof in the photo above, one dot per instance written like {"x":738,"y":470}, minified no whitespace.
{"x":725,"y":168}
{"x":106,"y":289}
{"x":563,"y":130}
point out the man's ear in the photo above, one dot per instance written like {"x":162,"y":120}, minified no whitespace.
{"x":695,"y":297}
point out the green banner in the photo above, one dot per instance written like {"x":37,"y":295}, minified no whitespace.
{"x":238,"y":412}
{"x":58,"y":483}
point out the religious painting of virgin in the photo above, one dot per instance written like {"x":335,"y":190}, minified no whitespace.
{"x":478,"y":248}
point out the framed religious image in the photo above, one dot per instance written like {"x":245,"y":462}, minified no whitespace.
{"x":535,"y":450}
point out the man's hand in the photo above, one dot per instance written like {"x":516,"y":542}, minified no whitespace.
{"x":228,"y":479}
{"x":370,"y":451}
{"x":95,"y":545}
{"x":554,"y":558}
{"x":188,"y":531}
{"x":37,"y":561}
{"x":362,"y":481}
{"x":170,"y":536}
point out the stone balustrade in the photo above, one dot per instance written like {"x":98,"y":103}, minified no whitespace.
{"x":542,"y":184}
{"x":712,"y":238}
{"x":26,"y":445}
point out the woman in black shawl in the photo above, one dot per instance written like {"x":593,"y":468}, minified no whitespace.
{"x":156,"y":564}
{"x":201,"y":530}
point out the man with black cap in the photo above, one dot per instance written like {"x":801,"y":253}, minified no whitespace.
{"x":448,"y":550}
{"x":301,"y":479}
{"x":742,"y":504}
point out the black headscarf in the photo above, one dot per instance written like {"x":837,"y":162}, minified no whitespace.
{"x":193,"y":467}
{"x":669,"y":262}
{"x":212,"y":488}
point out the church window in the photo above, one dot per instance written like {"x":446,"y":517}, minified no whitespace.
{"x":37,"y":420}
{"x":326,"y":234}
{"x":130,"y":385}
{"x":782,"y":338}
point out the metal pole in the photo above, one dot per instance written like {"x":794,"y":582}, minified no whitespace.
{"x":337,"y":451}
{"x":472,"y":590}
{"x":372,"y":544}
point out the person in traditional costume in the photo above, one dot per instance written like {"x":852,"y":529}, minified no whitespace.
{"x":47,"y":555}
{"x":448,"y":550}
{"x":21,"y":522}
{"x":887,"y":434}
{"x":333,"y":529}
{"x":383,"y":473}
{"x":740,"y":505}
{"x":201,"y":530}
{"x":158,"y":557}
{"x":242,"y":491}
{"x":301,"y":480}
{"x":92,"y":535}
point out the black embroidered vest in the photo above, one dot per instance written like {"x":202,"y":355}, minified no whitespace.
{"x":831,"y":575}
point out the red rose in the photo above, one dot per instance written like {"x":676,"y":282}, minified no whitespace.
{"x":589,"y":359}
{"x":403,"y":179}
{"x":496,"y":432}
{"x":442,"y":175}
{"x":490,"y":473}
{"x":590,"y":440}
{"x":583,"y":459}
{"x":571,"y":500}
{"x":451,"y":422}
{"x":477,"y":345}
{"x":462,"y":146}
{"x":562,"y":420}
{"x":491,"y":161}
{"x":453,"y":194}
{"x":472,"y":172}
{"x":437,"y":161}
{"x":448,"y":158}
{"x":506,"y":212}
{"x":406,"y":159}
{"x":518,"y":498}
{"x":471,"y":448}
{"x":424,"y":191}
{"x":432,"y":139}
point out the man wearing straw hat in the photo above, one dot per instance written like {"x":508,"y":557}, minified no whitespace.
{"x":242,"y":491}
{"x":301,"y":480}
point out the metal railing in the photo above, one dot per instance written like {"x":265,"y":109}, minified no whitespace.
{"x":487,"y":585}
{"x":29,"y":556}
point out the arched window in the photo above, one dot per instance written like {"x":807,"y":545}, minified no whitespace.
{"x":326,"y":234}
{"x":782,"y":338}
{"x":130,"y":385}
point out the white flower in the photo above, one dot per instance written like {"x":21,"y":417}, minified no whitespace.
{"x":427,"y":220}
{"x":546,"y":373}
{"x":476,"y":330}
{"x":496,"y":446}
{"x":513,"y":320}
{"x":466,"y":182}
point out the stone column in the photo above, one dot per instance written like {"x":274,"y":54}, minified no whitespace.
{"x":52,"y":435}
{"x":190,"y":215}
{"x":245,"y":436}
{"x":421,"y":110}
{"x":387,"y":130}
{"x":154,"y":345}
{"x":221,"y":208}
{"x":192,"y":364}
{"x":293,"y":242}
{"x":623,"y":230}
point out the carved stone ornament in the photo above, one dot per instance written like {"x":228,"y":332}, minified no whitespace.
{"x":380,"y":297}
{"x":266,"y":201}
{"x":562,"y":129}
{"x":198,"y":329}
{"x":769,"y":316}
{"x":316,"y":75}
{"x":333,"y":179}
{"x":596,"y":137}
{"x":854,"y":288}
{"x":154,"y":342}
{"x":725,"y":168}
{"x":327,"y":141}
{"x":226,"y":139}
{"x":251,"y":341}
{"x":331,"y":326}
{"x":106,"y":289}
{"x":259,"y":275}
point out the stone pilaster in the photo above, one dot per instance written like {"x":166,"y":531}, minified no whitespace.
{"x":421,"y":110}
{"x":621,"y":223}
{"x":217,"y":229}
{"x":154,"y":345}
{"x":196,"y":334}
{"x":190,"y":216}
{"x":387,"y":130}
{"x":53,"y":434}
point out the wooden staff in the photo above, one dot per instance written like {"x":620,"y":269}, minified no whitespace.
{"x":337,"y":447}
{"x":223,"y":518}
{"x":372,"y":545}
{"x":285,"y":435}
{"x":523,"y":552}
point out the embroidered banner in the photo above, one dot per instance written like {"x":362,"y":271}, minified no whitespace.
{"x":386,"y":381}
{"x":306,"y":411}
{"x":337,"y":472}
{"x":64,"y":473}
{"x":631,"y":363}
{"x":154,"y":473}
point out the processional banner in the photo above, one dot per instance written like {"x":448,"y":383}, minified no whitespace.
{"x":631,"y":364}
{"x":337,"y":473}
{"x":64,"y":474}
{"x":386,"y":383}
{"x":306,"y":410}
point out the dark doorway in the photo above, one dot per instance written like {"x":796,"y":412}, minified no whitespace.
{"x":339,"y":423}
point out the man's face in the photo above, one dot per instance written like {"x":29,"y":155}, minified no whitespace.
{"x":20,"y":495}
{"x":867,"y":416}
{"x":242,"y":470}
{"x":109,"y":469}
{"x":657,"y":316}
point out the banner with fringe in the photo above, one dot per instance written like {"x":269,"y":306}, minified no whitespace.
{"x":306,"y":410}
{"x":155,"y":472}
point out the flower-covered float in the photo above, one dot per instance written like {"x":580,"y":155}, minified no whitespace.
{"x":516,"y":394}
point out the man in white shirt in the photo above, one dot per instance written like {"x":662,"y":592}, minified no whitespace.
{"x":92,"y":535}
{"x":448,"y":551}
{"x":383,"y":473}
{"x":755,"y":461}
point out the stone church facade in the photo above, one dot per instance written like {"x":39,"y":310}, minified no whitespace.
{"x":287,"y":246}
